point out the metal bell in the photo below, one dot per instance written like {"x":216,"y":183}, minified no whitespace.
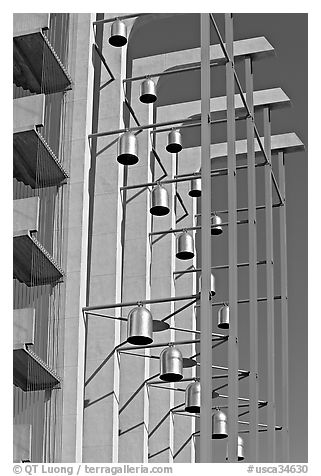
{"x":240,"y":449}
{"x":185,"y":246}
{"x":118,"y":33}
{"x":215,"y":228}
{"x":159,"y":201}
{"x":127,"y":149}
{"x":140,"y":326}
{"x":148,"y":91}
{"x":171,"y":364}
{"x":223,"y":317}
{"x":193,"y":398}
{"x":213,"y":292}
{"x":219,"y":421}
{"x":174,"y":141}
{"x":196,"y":188}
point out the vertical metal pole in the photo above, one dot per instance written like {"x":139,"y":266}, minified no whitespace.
{"x":232,"y":247}
{"x":206,"y":306}
{"x":284,"y":316}
{"x":270,"y":292}
{"x":253,"y":377}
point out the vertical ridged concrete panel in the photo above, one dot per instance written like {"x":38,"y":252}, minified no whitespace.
{"x":134,"y":402}
{"x":101,"y":419}
{"x":76,"y":147}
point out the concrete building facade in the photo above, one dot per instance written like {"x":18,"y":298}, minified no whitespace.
{"x":81,"y":240}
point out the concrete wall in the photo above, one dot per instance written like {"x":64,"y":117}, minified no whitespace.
{"x":75,"y":228}
{"x":105,"y":260}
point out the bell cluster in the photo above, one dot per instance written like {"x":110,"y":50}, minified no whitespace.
{"x":140,"y":320}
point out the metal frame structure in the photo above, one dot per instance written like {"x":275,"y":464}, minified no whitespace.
{"x":203,"y":299}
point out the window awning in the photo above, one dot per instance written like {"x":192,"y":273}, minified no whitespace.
{"x":32,"y":264}
{"x":36,"y":65}
{"x":30,"y":372}
{"x":34,"y":163}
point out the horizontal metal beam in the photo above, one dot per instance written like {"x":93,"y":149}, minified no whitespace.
{"x":240,"y":301}
{"x":139,"y":301}
{"x":168,"y":72}
{"x":223,"y":266}
{"x":181,"y":123}
{"x":244,"y":399}
{"x":197,"y":227}
{"x":159,"y":344}
{"x":119,"y":17}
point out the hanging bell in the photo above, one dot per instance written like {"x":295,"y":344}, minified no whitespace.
{"x":118,"y":33}
{"x":240,"y":449}
{"x":216,"y":229}
{"x":140,"y":326}
{"x":174,"y":141}
{"x":171,"y":364}
{"x":193,"y":398}
{"x":148,"y":91}
{"x":223,"y":317}
{"x":159,"y":201}
{"x":196,"y":188}
{"x":219,"y":421}
{"x":213,"y":292}
{"x":185,"y":246}
{"x":127,"y":149}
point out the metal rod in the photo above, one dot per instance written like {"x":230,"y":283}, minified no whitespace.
{"x":198,"y":123}
{"x":166,"y":73}
{"x":197,"y":227}
{"x":179,"y":310}
{"x":145,"y":356}
{"x":253,"y":307}
{"x":141,"y":301}
{"x":276,"y":186}
{"x":120,"y":17}
{"x":160,"y":344}
{"x":232,"y":245}
{"x":180,"y":329}
{"x":271,"y":448}
{"x":243,"y":399}
{"x":141,"y":128}
{"x":222,"y":266}
{"x":241,"y":301}
{"x":182,"y":123}
{"x":206,"y":325}
{"x":160,"y":382}
{"x":218,"y":367}
{"x":107,"y":317}
{"x":284,"y":317}
{"x":239,"y":210}
{"x":175,"y":389}
{"x":263,"y":425}
{"x":222,"y":171}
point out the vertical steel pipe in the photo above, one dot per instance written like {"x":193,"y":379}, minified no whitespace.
{"x":284,"y":317}
{"x":205,"y":303}
{"x":269,"y":291}
{"x":251,"y":179}
{"x":232,"y":246}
